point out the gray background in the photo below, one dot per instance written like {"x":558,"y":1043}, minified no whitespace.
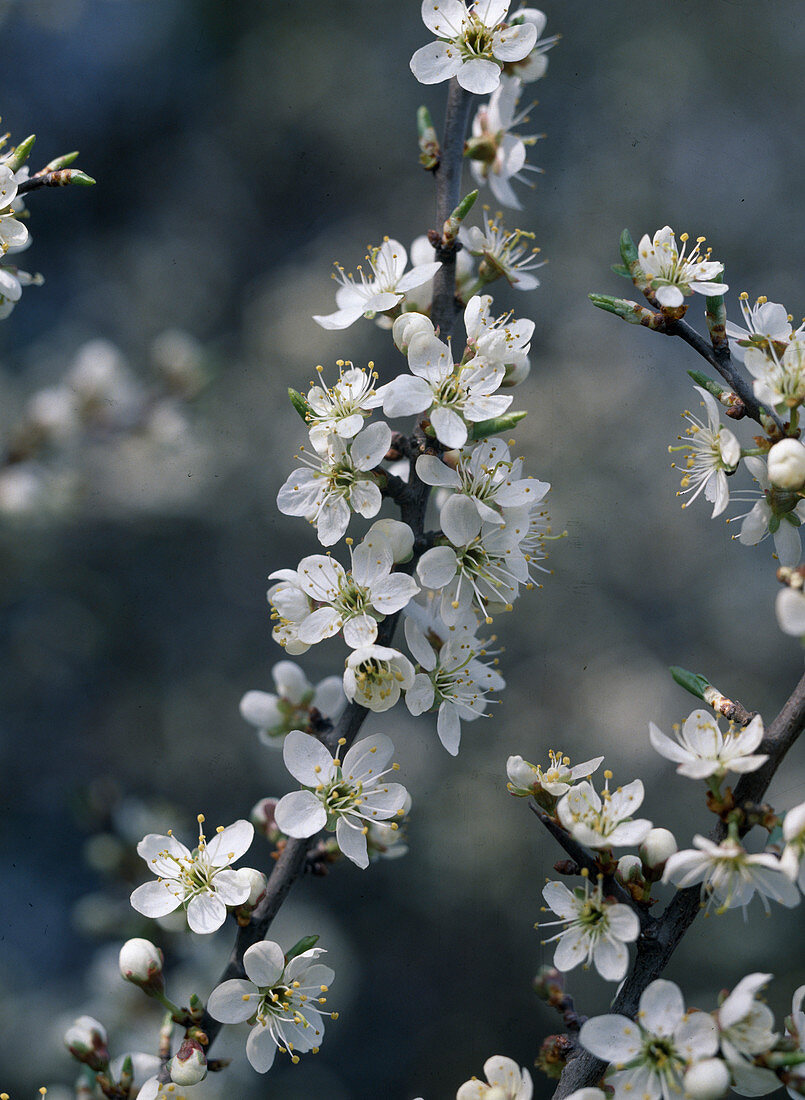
{"x":240,"y":148}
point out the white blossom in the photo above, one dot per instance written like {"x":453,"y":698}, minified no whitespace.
{"x":283,"y":1001}
{"x":713,"y":452}
{"x":201,"y":881}
{"x":604,"y":822}
{"x":13,"y":233}
{"x":342,"y":408}
{"x":487,"y":476}
{"x":355,"y":601}
{"x":505,"y":1080}
{"x":375,"y":675}
{"x":746,"y":1028}
{"x":473,"y":43}
{"x":535,"y":64}
{"x":503,"y":254}
{"x":12,"y":280}
{"x":708,"y":1079}
{"x":274,"y":715}
{"x":380,"y":289}
{"x":701,"y":749}
{"x":333,"y":485}
{"x":597,"y":929}
{"x":779,"y":380}
{"x":340,"y":796}
{"x":792,"y":859}
{"x":730,"y":874}
{"x":555,"y":780}
{"x":785,"y":464}
{"x":290,"y":606}
{"x":452,"y":394}
{"x":789,"y":607}
{"x":673,"y":274}
{"x":765,"y":322}
{"x":453,"y":679}
{"x":498,"y":156}
{"x":648,"y":1057}
{"x":501,"y":340}
{"x":777,"y":512}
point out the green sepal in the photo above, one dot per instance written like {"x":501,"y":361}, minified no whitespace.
{"x":693,"y":682}
{"x":126,"y":1078}
{"x":622,"y":269}
{"x":300,"y":404}
{"x":715,"y":388}
{"x":21,"y":153}
{"x":60,"y":162}
{"x":300,"y":947}
{"x":774,"y":524}
{"x":628,"y":251}
{"x":482,"y":429}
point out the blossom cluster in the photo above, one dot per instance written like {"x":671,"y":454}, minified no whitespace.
{"x":669,"y":1050}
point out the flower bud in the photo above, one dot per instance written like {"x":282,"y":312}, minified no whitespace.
{"x":707,"y":1080}
{"x":262,"y":817}
{"x":141,"y":963}
{"x":630,"y":869}
{"x":189,"y":1064}
{"x":409,"y":325}
{"x":86,"y":1041}
{"x":257,"y":881}
{"x":786,"y":464}
{"x":658,"y":847}
{"x":522,"y":776}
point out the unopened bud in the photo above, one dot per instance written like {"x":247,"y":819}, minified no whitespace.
{"x":141,"y":963}
{"x":257,"y":883}
{"x":630,"y":869}
{"x":786,"y":464}
{"x":522,"y":776}
{"x":407,"y":326}
{"x":707,"y":1080}
{"x":657,"y":848}
{"x":262,"y":817}
{"x":86,"y":1041}
{"x":189,"y":1065}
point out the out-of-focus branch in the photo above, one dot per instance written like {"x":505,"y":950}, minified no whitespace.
{"x":657,"y":943}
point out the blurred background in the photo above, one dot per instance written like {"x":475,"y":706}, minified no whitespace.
{"x":239,"y":150}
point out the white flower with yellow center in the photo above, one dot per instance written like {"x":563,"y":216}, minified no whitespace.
{"x":502,"y":254}
{"x":333,"y":485}
{"x":499,"y":340}
{"x":713,"y":452}
{"x":282,"y":999}
{"x":648,"y":1057}
{"x":555,"y":780}
{"x":673,"y":274}
{"x":778,"y":512}
{"x":701,"y":748}
{"x":473,"y":43}
{"x":779,"y":379}
{"x":730,"y":874}
{"x":604,"y":821}
{"x":340,"y":796}
{"x":597,"y":929}
{"x":13,"y":233}
{"x":355,"y":601}
{"x":275,"y":714}
{"x":765,"y":322}
{"x":504,"y":1081}
{"x":381,"y":289}
{"x":497,"y":155}
{"x":201,"y":881}
{"x":375,"y":675}
{"x":342,"y":408}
